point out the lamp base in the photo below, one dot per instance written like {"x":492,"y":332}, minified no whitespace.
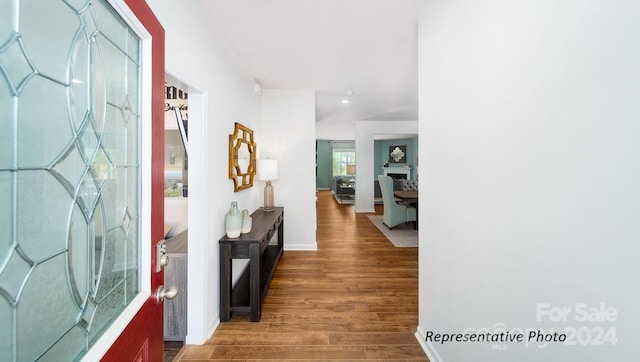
{"x":268,"y":197}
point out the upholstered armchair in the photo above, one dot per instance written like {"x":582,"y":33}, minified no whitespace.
{"x":394,"y":213}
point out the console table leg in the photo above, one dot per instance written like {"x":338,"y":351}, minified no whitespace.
{"x":254,"y":282}
{"x":225,"y":283}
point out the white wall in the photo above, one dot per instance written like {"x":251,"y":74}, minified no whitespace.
{"x":336,"y":128}
{"x":288,"y":135}
{"x":176,"y":211}
{"x":220,"y":93}
{"x":529,"y":174}
{"x":365,"y":134}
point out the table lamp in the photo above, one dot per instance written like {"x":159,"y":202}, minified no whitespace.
{"x":351,"y":170}
{"x":268,"y":171}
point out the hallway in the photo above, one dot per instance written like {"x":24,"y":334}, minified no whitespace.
{"x":355,"y":298}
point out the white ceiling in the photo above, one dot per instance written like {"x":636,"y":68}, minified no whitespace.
{"x":332,"y":46}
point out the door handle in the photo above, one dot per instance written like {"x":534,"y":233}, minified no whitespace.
{"x":168,"y":293}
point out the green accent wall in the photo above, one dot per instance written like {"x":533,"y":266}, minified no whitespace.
{"x":323,"y":160}
{"x":323,"y":164}
{"x":381,"y":154}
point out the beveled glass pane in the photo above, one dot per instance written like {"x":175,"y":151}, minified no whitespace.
{"x":132,"y":285}
{"x":16,"y":65}
{"x":115,"y":63}
{"x":69,"y":347}
{"x":89,"y":21}
{"x":131,"y":248}
{"x":6,"y":214}
{"x":72,"y":258}
{"x":133,"y":191}
{"x":88,"y":196}
{"x":98,"y":87}
{"x":101,"y":167}
{"x":111,"y":27}
{"x":42,"y":234}
{"x":133,"y":80}
{"x":60,"y":21}
{"x":79,"y":80}
{"x":88,"y":140}
{"x":80,"y":252}
{"x":113,"y":141}
{"x":97,"y":242}
{"x":106,"y":310}
{"x":70,"y":168}
{"x":43,"y":125}
{"x":6,"y":332}
{"x":133,"y":49}
{"x":77,"y":5}
{"x":111,"y":214}
{"x":7,"y":120}
{"x":14,"y":274}
{"x":6,"y":20}
{"x":111,"y":271}
{"x":133,"y":132}
{"x":45,"y":284}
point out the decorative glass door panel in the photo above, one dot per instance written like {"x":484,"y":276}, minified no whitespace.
{"x":70,"y":171}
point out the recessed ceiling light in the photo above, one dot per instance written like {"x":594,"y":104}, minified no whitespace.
{"x":346,"y":98}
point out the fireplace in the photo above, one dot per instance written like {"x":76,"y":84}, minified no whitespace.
{"x":397,"y":176}
{"x":398,"y":173}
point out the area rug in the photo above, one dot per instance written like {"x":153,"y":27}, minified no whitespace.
{"x":402,"y":236}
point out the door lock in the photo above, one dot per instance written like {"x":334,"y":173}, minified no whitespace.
{"x":162,"y":259}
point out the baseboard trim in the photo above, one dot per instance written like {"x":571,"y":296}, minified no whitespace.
{"x":428,"y":348}
{"x":301,"y":247}
{"x":358,"y":211}
{"x":211,"y":328}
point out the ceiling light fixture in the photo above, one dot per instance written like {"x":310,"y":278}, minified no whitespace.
{"x":346,"y":100}
{"x":257,"y":88}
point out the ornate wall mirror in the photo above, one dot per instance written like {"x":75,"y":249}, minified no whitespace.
{"x":242,"y":157}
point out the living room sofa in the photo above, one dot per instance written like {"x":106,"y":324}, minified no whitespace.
{"x":339,"y":191}
{"x":337,"y":186}
{"x":343,"y":189}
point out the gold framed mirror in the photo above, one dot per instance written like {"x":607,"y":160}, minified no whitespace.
{"x":242,"y":157}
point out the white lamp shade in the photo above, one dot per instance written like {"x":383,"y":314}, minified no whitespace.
{"x":268,"y":170}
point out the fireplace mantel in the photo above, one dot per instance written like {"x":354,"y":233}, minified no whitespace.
{"x":398,"y":170}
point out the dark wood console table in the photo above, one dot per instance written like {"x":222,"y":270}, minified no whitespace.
{"x":248,"y":293}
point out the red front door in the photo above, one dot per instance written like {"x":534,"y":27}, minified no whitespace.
{"x":142,"y":339}
{"x":81,"y":180}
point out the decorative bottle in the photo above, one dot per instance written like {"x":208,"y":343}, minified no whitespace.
{"x":233,"y":221}
{"x":246,"y":221}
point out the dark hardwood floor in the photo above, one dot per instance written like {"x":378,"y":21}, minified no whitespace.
{"x":171,"y":350}
{"x":355,"y":298}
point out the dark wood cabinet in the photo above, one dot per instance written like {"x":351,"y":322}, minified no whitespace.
{"x":248,"y":293}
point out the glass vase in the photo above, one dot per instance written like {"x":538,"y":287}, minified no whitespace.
{"x":233,"y":221}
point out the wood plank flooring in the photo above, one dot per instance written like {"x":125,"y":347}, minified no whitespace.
{"x":355,"y":298}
